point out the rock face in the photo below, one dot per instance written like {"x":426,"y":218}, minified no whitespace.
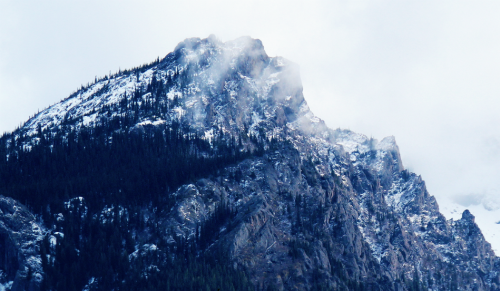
{"x":20,"y":235}
{"x":317,"y":208}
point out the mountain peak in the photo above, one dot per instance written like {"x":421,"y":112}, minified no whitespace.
{"x":467,"y":216}
{"x":203,"y":83}
{"x":196,"y":48}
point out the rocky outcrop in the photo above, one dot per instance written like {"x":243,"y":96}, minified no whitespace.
{"x":328,"y":220}
{"x":20,"y":236}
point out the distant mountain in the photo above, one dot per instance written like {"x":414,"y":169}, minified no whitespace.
{"x":206,"y":170}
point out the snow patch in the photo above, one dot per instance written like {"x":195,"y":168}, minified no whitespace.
{"x":88,"y":120}
{"x":149,"y":122}
{"x":179,"y":111}
{"x":172,"y":94}
{"x":191,"y":103}
{"x":209,"y":135}
{"x":6,"y":286}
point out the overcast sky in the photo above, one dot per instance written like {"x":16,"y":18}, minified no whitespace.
{"x":427,"y":72}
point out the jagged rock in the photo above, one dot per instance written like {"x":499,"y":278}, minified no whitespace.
{"x":20,"y":236}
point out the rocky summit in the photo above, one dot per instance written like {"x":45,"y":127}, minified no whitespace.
{"x":206,"y":170}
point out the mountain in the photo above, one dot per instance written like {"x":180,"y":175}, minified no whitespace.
{"x":486,"y":211}
{"x":207,"y":170}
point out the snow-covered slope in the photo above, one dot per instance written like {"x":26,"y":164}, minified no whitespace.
{"x":204,"y":83}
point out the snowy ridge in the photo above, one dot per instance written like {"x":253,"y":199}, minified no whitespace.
{"x":197,"y":92}
{"x":86,"y":103}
